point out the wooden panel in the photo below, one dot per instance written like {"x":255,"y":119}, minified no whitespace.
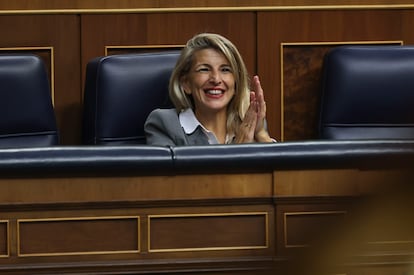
{"x":230,"y":231}
{"x":78,"y":236}
{"x":340,"y":182}
{"x":62,"y":33}
{"x":99,"y":32}
{"x":4,"y":239}
{"x":372,"y":234}
{"x":303,"y":222}
{"x":243,"y":226}
{"x":137,"y":4}
{"x":160,"y":30}
{"x":314,"y":222}
{"x":54,"y":243}
{"x":111,"y":50}
{"x":345,"y":26}
{"x":385,"y":221}
{"x":379,"y":269}
{"x":91,"y":189}
{"x":164,"y":29}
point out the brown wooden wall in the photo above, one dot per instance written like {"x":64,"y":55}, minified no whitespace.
{"x":190,"y":4}
{"x":339,"y":221}
{"x":283,"y":44}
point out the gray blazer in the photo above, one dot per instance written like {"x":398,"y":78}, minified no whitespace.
{"x":163,"y":128}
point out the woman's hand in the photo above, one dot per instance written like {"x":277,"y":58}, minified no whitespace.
{"x":247,"y":128}
{"x":253,"y":125}
{"x":259,"y":102}
{"x":261,"y":134}
{"x":257,"y":112}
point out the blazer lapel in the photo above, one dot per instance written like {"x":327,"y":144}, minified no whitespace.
{"x":197,"y":138}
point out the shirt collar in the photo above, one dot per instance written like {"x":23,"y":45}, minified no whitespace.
{"x":189,"y":123}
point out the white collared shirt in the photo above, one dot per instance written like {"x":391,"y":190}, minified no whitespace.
{"x":189,"y":123}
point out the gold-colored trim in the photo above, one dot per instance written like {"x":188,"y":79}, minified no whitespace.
{"x":7,"y":239}
{"x":282,"y":95}
{"x":391,"y":242}
{"x":208,"y":9}
{"x":330,"y":43}
{"x":52,"y":74}
{"x":318,"y":43}
{"x":194,"y":249}
{"x":142,"y":47}
{"x":286,"y":214}
{"x":138,"y":250}
{"x":52,"y":64}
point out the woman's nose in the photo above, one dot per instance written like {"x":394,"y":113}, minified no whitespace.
{"x":215,"y":77}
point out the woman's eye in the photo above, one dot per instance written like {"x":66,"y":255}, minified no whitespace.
{"x":203,"y":70}
{"x":226,"y":69}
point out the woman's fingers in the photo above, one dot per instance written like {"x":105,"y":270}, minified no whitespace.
{"x":248,"y":126}
{"x":260,"y":103}
{"x":250,"y":118}
{"x":253,"y":122}
{"x":259,"y":97}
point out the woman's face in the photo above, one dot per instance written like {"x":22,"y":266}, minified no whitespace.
{"x":210,"y":81}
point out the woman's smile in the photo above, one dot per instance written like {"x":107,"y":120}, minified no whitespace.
{"x":214,"y":93}
{"x":211,"y":81}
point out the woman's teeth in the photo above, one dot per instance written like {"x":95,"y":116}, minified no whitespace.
{"x":214,"y":92}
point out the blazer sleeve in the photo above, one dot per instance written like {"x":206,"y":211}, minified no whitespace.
{"x":162,"y":128}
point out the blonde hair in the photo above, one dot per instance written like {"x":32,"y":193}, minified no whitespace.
{"x":241,"y":100}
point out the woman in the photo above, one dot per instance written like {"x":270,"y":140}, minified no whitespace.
{"x":209,"y":88}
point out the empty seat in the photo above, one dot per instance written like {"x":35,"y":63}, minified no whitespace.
{"x":120,"y":92}
{"x":368,"y":93}
{"x":27,"y":117}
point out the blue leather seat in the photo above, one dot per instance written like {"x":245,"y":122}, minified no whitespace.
{"x":120,"y":92}
{"x":27,"y":117}
{"x":368,"y":93}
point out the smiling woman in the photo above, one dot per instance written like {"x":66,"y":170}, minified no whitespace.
{"x":213,"y":102}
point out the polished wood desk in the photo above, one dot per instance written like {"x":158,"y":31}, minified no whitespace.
{"x":224,"y":210}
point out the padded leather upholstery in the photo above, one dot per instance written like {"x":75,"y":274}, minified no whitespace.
{"x":223,"y":158}
{"x":368,"y":93}
{"x":251,"y":157}
{"x":90,"y":160}
{"x":27,"y":118}
{"x":120,"y":92}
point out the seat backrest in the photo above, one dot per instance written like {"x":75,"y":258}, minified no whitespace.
{"x":120,"y":92}
{"x":27,"y":117}
{"x":368,"y":93}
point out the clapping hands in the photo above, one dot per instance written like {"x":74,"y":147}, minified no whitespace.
{"x":253,"y":129}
